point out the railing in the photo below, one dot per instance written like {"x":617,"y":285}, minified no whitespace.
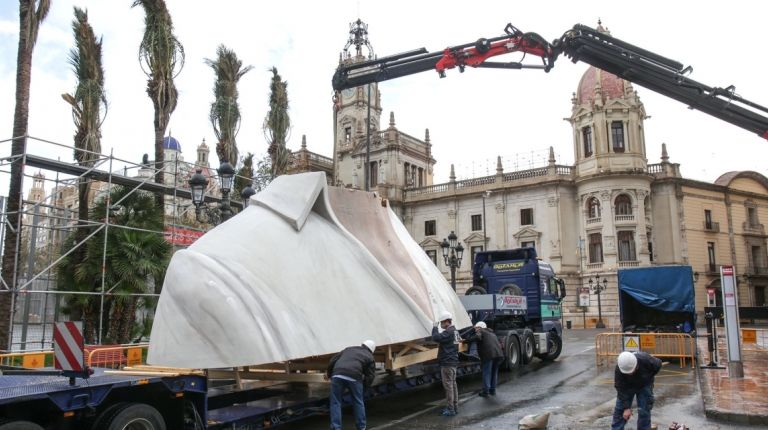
{"x":116,"y":356}
{"x":753,"y":228}
{"x":625,"y":218}
{"x":711,"y":268}
{"x":713,"y":227}
{"x":595,"y":220}
{"x":757,"y":270}
{"x":655,"y":168}
{"x":564,"y":170}
{"x":431,"y":189}
{"x":525,"y":174}
{"x":593,"y":266}
{"x":28,"y":359}
{"x":669,"y":345}
{"x":475,"y":182}
{"x":629,"y":263}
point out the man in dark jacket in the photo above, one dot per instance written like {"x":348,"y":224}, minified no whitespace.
{"x":448,"y":358}
{"x":352,"y":369}
{"x":634,"y":376}
{"x":491,"y":356}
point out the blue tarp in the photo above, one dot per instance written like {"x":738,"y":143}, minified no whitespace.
{"x":666,"y":288}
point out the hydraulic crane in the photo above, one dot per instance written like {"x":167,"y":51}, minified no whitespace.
{"x":581,"y":43}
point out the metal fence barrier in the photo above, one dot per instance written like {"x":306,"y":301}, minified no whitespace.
{"x":663,"y":345}
{"x":110,"y":356}
{"x":28,"y":359}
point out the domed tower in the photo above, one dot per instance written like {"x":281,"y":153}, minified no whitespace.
{"x":611,"y":172}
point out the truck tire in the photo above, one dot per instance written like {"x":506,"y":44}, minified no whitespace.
{"x":527,"y":347}
{"x":134,"y":416}
{"x":19,"y":425}
{"x":475,"y":291}
{"x":511,"y":290}
{"x":554,"y":347}
{"x":511,"y":352}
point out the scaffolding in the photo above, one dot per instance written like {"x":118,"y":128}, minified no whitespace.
{"x":46,"y":220}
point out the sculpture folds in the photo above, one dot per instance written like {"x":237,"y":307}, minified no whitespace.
{"x":305,"y":270}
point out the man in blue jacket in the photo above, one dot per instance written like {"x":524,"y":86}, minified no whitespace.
{"x":448,"y":358}
{"x":491,"y":356}
{"x":351,"y":369}
{"x":633,"y":377}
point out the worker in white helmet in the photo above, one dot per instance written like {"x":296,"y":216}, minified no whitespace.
{"x":633,"y":377}
{"x":448,"y":358}
{"x":352,"y":369}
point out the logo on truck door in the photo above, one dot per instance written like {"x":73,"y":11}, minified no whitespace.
{"x":507,"y":267}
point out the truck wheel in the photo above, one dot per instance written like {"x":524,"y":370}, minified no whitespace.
{"x":511,"y":352}
{"x":554,"y":347}
{"x":527,"y":346}
{"x":19,"y":425}
{"x":511,"y":290}
{"x":133,"y":416}
{"x":475,"y":291}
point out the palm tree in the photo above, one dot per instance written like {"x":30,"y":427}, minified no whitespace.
{"x":32,"y":13}
{"x":277,"y":124}
{"x":225,"y":111}
{"x":244,"y":174}
{"x":87,"y":104}
{"x":137,"y":254}
{"x":162,"y":58}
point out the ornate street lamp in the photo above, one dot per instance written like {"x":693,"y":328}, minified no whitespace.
{"x":226,"y":176}
{"x":246,"y":194}
{"x":597,"y":287}
{"x":198,"y":183}
{"x":453,"y":251}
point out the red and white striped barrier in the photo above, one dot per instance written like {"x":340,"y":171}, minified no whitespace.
{"x":68,"y":346}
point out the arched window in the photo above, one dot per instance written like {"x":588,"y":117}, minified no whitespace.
{"x":593,"y":208}
{"x":623,"y":205}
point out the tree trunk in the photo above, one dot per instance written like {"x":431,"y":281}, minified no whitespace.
{"x":20,"y":123}
{"x":160,"y":124}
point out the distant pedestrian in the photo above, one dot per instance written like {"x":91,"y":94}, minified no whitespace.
{"x":633,"y":377}
{"x":352,"y":369}
{"x":448,"y":358}
{"x":491,"y":356}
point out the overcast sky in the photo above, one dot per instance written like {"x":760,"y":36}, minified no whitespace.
{"x":472,"y":117}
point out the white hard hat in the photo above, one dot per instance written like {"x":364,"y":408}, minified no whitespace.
{"x":445,"y":315}
{"x":627,"y":362}
{"x":481,"y":324}
{"x":370,"y":344}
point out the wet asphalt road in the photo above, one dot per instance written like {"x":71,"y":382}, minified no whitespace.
{"x":576,"y":393}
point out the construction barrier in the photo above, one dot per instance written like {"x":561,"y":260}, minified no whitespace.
{"x":754,"y":339}
{"x":28,"y":359}
{"x":663,"y":345}
{"x":116,"y":356}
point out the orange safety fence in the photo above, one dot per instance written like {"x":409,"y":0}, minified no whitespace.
{"x":663,"y":345}
{"x":110,"y":356}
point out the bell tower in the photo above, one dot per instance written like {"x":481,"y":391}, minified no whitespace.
{"x":356,"y":110}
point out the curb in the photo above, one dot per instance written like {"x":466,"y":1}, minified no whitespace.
{"x":715,"y":413}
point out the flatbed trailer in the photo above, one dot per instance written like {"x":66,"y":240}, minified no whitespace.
{"x":152,"y":398}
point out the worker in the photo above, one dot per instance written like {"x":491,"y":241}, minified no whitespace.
{"x":633,"y":377}
{"x":352,"y":369}
{"x":491,"y":356}
{"x":448,"y":358}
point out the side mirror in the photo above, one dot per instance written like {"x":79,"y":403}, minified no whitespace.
{"x":561,"y":288}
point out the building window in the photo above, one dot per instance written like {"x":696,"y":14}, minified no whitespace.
{"x":477,"y":222}
{"x":593,"y":208}
{"x":757,"y":260}
{"x":711,"y":255}
{"x":373,"y":173}
{"x":623,"y":205}
{"x":650,"y":247}
{"x":617,"y":136}
{"x":473,"y":251}
{"x":432,"y":254}
{"x":627,"y":246}
{"x":526,"y":216}
{"x":752,"y":217}
{"x":347,"y":134}
{"x":760,"y":296}
{"x":595,"y":248}
{"x":708,"y":219}
{"x":531,"y":244}
{"x":586,"y":134}
{"x":430,"y":228}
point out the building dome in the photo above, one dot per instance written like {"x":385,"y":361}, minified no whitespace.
{"x":171,"y":143}
{"x":611,"y":86}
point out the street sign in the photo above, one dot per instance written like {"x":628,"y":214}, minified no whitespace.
{"x":632,"y":343}
{"x":731,"y":310}
{"x":583,"y":296}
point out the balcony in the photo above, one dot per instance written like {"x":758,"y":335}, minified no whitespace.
{"x":625,"y":218}
{"x":753,"y":228}
{"x":595,"y":266}
{"x":595,"y":220}
{"x":712,"y":227}
{"x":629,"y":264}
{"x":757,"y":270}
{"x":711,"y":268}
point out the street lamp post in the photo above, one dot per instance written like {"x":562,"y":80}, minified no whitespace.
{"x":485,"y":195}
{"x":597,"y":287}
{"x":198,"y":183}
{"x":453,"y":251}
{"x":246,"y":194}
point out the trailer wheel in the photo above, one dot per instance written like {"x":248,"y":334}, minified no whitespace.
{"x":19,"y":425}
{"x":131,"y":416}
{"x":511,"y":352}
{"x":554,"y":347}
{"x":475,"y":291}
{"x":527,"y":346}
